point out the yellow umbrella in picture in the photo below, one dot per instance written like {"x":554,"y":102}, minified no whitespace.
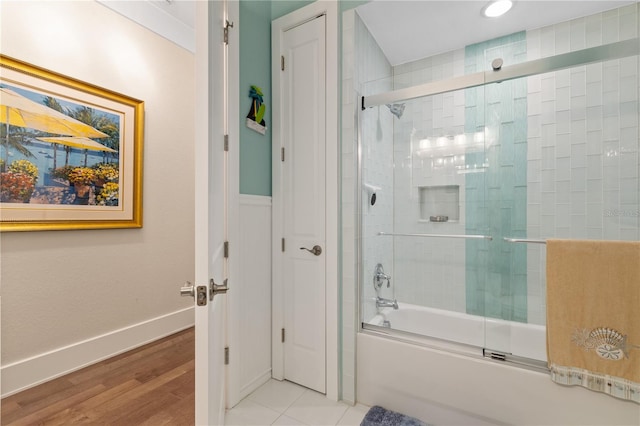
{"x":19,"y":111}
{"x":16,"y":110}
{"x":78,"y":142}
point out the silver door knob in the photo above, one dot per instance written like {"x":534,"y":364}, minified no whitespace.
{"x":316,"y":250}
{"x":188,"y":289}
{"x":217,"y":288}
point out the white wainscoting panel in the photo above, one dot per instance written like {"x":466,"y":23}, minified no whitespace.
{"x":250,"y":307}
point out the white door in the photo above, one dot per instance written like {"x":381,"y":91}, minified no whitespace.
{"x":210,"y":211}
{"x":303,"y":177}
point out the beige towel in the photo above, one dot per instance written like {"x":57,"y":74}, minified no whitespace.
{"x":593,"y":315}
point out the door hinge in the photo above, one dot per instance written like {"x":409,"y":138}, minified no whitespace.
{"x":282,"y":335}
{"x":226,"y":355}
{"x":283,"y":244}
{"x":226,"y":143}
{"x":227,"y":25}
{"x":282,"y":62}
{"x":226,"y":249}
{"x":282,"y":154}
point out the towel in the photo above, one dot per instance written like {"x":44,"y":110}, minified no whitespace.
{"x":378,"y":416}
{"x":593,"y":315}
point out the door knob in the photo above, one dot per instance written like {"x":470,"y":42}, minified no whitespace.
{"x":199,"y":293}
{"x":316,"y":250}
{"x":217,"y":288}
{"x":187,"y":289}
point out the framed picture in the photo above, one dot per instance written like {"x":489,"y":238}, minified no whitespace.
{"x":70,"y":153}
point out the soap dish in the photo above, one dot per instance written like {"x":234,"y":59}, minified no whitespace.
{"x":438,"y":218}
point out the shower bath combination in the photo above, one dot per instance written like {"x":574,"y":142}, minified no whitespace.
{"x":463,"y":268}
{"x":511,"y":161}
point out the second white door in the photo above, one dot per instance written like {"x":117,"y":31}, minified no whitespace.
{"x":303,"y":178}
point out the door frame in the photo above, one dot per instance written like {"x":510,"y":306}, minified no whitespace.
{"x":232,"y":314}
{"x":332,"y":280}
{"x":209,"y":78}
{"x":209,"y":394}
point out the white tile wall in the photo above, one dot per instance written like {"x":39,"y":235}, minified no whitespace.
{"x":349,"y":231}
{"x":363,"y":62}
{"x":428,"y":272}
{"x":587,"y":155}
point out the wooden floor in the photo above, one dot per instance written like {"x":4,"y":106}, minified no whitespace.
{"x":151,"y":385}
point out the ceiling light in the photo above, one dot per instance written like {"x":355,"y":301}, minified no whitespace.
{"x":497,"y":8}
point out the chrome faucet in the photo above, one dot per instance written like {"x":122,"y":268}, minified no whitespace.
{"x":379,"y":277}
{"x":386,"y":303}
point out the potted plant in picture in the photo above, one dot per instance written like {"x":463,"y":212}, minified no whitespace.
{"x":18,"y":182}
{"x":108,"y":196}
{"x":105,"y":172}
{"x":81,"y":178}
{"x":62,"y":173}
{"x":26,"y":167}
{"x":16,"y":187}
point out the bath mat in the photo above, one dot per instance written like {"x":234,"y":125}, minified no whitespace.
{"x":378,"y":416}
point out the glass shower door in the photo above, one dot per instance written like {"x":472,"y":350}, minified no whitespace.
{"x":505,"y":291}
{"x":563,"y":163}
{"x":419,"y":216}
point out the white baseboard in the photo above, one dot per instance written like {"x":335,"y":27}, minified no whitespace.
{"x":33,"y":371}
{"x":255,"y":384}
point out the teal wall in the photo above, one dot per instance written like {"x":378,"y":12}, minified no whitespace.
{"x":255,"y":68}
{"x":496,"y":200}
{"x":282,"y":7}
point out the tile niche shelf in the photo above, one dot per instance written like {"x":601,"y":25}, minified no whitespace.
{"x":439,"y":204}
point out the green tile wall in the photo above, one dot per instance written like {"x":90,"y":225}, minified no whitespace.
{"x":496,"y":200}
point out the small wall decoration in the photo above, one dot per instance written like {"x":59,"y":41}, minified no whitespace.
{"x":255,"y":119}
{"x":70,"y":153}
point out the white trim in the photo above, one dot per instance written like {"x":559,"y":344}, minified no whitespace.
{"x":278,"y":26}
{"x":255,"y":200}
{"x":277,"y":305}
{"x":236,"y":260}
{"x":29,"y":372}
{"x":332,"y":206}
{"x":157,"y":20}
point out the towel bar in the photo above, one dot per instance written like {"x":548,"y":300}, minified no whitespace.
{"x":467,"y":237}
{"x":524,"y":240}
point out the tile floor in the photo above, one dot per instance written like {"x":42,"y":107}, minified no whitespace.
{"x":285,"y":403}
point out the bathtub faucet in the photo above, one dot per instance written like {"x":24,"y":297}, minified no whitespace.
{"x":379,"y":277}
{"x":386,"y":303}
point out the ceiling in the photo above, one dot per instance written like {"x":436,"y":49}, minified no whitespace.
{"x":172,"y":19}
{"x":410,"y":30}
{"x":183,"y":10}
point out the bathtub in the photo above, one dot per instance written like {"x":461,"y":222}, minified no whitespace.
{"x":523,"y":340}
{"x":443,"y":383}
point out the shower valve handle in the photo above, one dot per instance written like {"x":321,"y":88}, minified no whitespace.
{"x":316,"y":250}
{"x":379,"y":277}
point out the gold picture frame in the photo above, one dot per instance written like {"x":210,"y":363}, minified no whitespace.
{"x":70,"y":152}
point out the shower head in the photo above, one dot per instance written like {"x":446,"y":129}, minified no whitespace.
{"x":396,"y":109}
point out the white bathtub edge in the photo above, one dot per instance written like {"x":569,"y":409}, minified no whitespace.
{"x":443,"y":388}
